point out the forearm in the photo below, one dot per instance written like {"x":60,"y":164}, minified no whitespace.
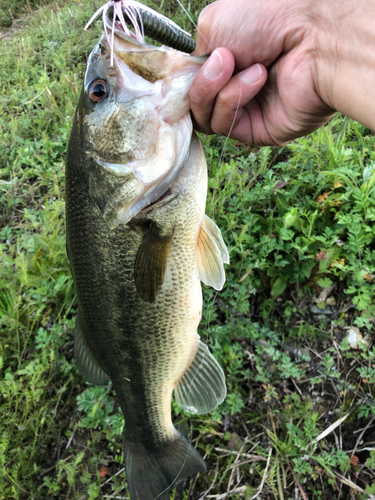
{"x":345,"y":57}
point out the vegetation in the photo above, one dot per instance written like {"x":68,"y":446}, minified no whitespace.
{"x":299,"y":224}
{"x":12,"y":9}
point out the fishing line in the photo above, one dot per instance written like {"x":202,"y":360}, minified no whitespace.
{"x":190,"y":420}
{"x":133,"y":13}
{"x":231,"y":127}
{"x":187,"y":454}
{"x":176,"y":478}
{"x":192,"y":21}
{"x":213,"y":301}
{"x":220,"y":161}
{"x":215,"y":295}
{"x":200,"y":366}
{"x":187,"y":13}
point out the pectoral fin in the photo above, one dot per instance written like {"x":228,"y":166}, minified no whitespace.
{"x":87,"y":364}
{"x":151,"y":263}
{"x":212,"y":254}
{"x":202,"y":388}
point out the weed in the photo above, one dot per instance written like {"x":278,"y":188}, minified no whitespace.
{"x":299,"y":223}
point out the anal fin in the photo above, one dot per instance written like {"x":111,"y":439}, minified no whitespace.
{"x":87,"y":364}
{"x":202,"y":387}
{"x":212,"y":254}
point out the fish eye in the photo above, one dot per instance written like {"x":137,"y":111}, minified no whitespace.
{"x":98,"y":90}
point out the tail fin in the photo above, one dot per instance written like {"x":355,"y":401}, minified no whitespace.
{"x":151,"y":473}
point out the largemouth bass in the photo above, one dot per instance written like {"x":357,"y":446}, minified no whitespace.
{"x":139,"y":243}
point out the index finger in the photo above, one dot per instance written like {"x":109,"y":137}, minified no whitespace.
{"x":211,"y":78}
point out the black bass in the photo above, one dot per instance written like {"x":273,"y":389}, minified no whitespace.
{"x":139,"y":243}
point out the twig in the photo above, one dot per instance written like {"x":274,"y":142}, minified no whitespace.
{"x":299,"y":486}
{"x":298,"y":389}
{"x":228,"y":452}
{"x":322,"y":297}
{"x":361,"y":435}
{"x":358,"y":430}
{"x":36,"y":97}
{"x":360,"y":449}
{"x":352,"y":485}
{"x":331,"y":428}
{"x":246,"y":429}
{"x":233,"y":468}
{"x":113,"y":496}
{"x":236,"y":491}
{"x":254,"y":459}
{"x":71,"y":438}
{"x":210,"y":488}
{"x":264,"y":476}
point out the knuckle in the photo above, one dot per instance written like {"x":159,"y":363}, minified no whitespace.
{"x":205,"y":19}
{"x":202,"y":125}
{"x":225,"y":102}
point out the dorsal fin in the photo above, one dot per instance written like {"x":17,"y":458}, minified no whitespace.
{"x":151,"y":263}
{"x":212,"y":254}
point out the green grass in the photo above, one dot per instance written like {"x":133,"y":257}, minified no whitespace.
{"x":12,"y":9}
{"x":298,"y":221}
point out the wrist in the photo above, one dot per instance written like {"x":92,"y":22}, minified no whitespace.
{"x":343,"y":51}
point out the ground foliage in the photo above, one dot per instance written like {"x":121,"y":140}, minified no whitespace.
{"x":11,"y":10}
{"x":299,"y":224}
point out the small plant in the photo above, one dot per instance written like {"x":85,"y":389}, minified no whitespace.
{"x":98,"y":408}
{"x":307,"y":223}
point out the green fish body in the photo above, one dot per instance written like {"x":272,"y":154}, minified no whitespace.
{"x":139,"y":243}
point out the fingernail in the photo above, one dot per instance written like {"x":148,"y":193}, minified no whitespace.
{"x":251,"y":75}
{"x":214,"y":66}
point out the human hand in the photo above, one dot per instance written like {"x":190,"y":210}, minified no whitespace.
{"x":252,"y":106}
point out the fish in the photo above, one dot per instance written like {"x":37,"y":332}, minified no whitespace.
{"x":139,"y":245}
